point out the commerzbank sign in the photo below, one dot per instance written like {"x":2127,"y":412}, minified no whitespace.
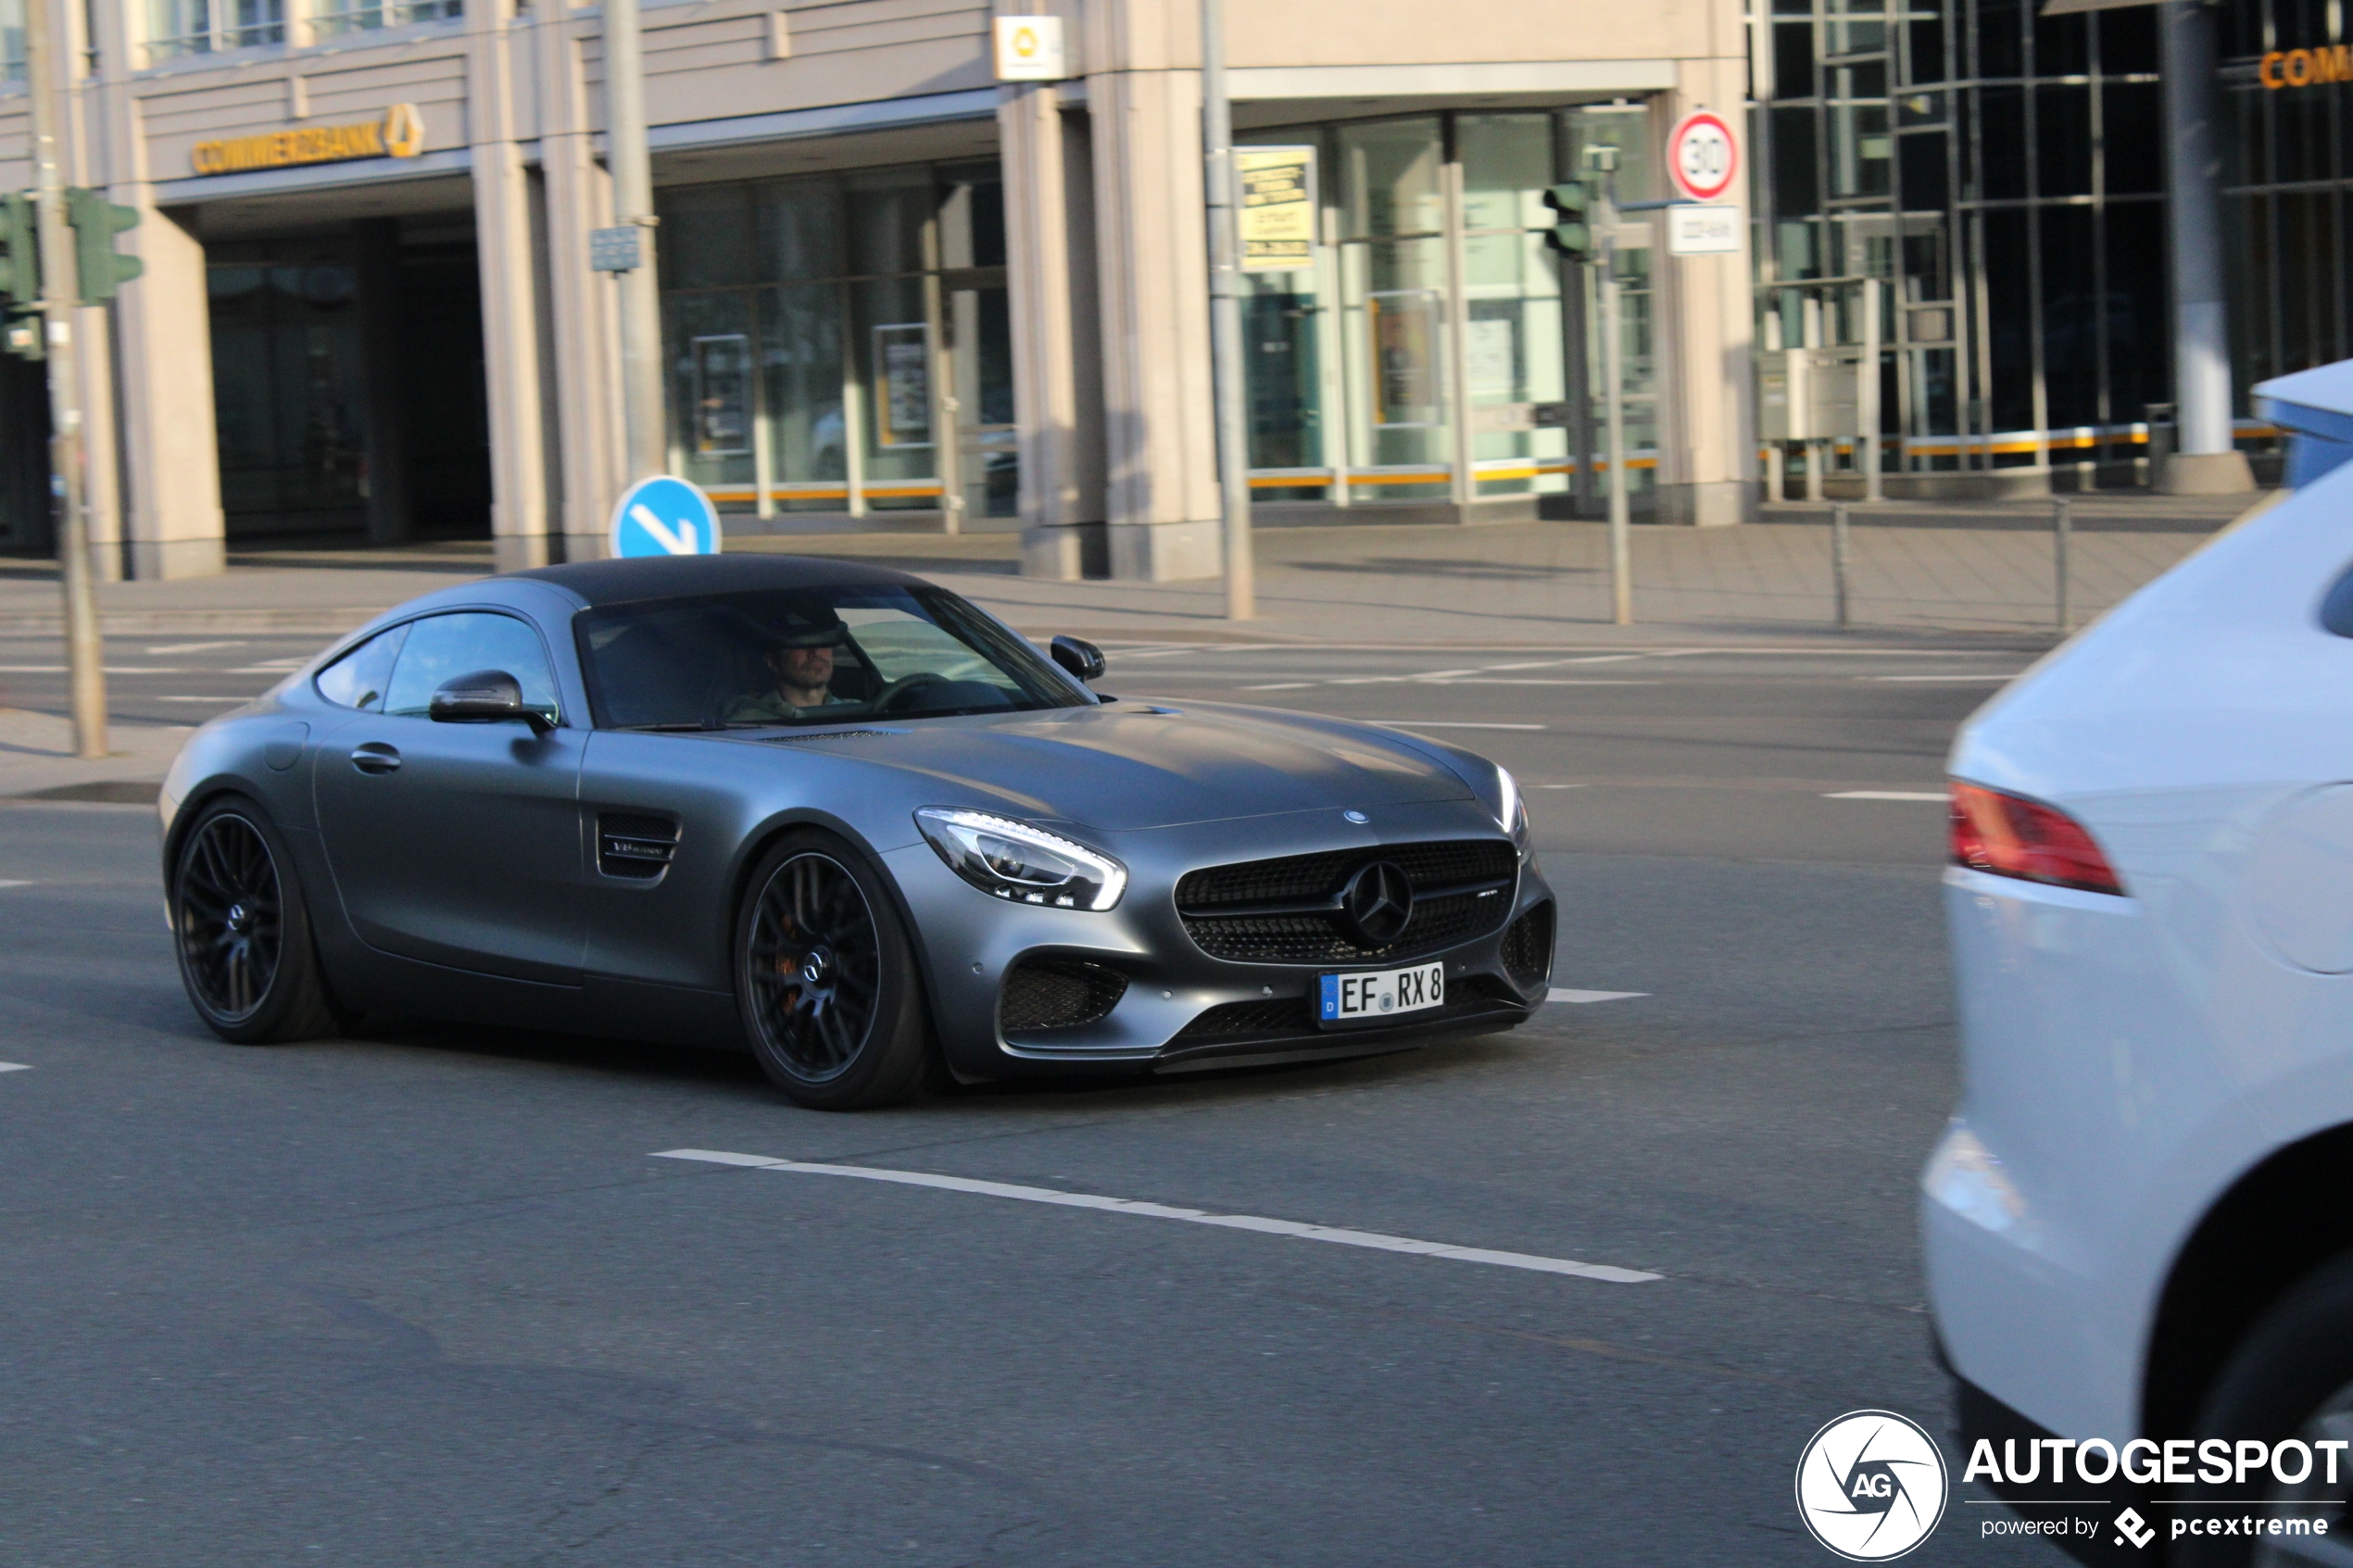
{"x":399,"y":132}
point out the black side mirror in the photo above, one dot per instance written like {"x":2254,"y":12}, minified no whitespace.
{"x":1078,"y":655}
{"x":486,"y":696}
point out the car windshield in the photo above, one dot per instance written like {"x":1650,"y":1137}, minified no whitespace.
{"x":807,"y":656}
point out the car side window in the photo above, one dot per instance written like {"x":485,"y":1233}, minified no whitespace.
{"x":358,"y":678}
{"x":441,"y":647}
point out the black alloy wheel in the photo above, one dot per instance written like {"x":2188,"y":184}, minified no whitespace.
{"x":825,"y":979}
{"x":244,"y":930}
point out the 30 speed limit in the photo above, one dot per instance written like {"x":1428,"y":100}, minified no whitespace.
{"x":1703,"y":157}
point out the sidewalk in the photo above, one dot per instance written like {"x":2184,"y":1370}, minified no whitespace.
{"x":37,"y":760}
{"x":1918,"y":571}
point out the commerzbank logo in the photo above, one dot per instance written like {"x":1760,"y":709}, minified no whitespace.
{"x":1871,"y":1486}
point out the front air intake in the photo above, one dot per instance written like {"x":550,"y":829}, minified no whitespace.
{"x":1053,"y":993}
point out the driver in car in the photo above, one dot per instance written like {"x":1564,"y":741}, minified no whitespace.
{"x":802,"y":659}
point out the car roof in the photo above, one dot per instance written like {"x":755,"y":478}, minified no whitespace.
{"x":665,"y":577}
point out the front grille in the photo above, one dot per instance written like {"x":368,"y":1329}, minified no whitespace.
{"x":1287,"y":911}
{"x":1045,"y":993}
{"x":1527,"y":946}
{"x":1294,"y":1017}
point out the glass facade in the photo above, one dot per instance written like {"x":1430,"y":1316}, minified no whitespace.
{"x":2003,"y":172}
{"x":1434,"y":347}
{"x":2287,"y":201}
{"x":842,"y":344}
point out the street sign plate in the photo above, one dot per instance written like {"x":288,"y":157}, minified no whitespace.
{"x":1030,"y":49}
{"x":663,"y":516}
{"x":1703,"y":155}
{"x":1706,"y":228}
{"x":615,"y":250}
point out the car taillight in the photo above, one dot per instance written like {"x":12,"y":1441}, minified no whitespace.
{"x":2011,"y":835}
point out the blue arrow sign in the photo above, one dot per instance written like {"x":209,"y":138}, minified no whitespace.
{"x":662,"y":515}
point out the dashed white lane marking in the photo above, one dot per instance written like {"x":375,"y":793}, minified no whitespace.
{"x":224,"y":701}
{"x":2011,"y":675}
{"x":1447,"y":724}
{"x":109,"y":670}
{"x":15,"y":881}
{"x":1281,"y":686}
{"x":193,"y":648}
{"x":1374,"y":1239}
{"x":1885,"y":795}
{"x":1563,"y":993}
{"x":15,"y":1067}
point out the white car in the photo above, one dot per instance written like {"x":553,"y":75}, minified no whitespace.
{"x":2139,"y":1224}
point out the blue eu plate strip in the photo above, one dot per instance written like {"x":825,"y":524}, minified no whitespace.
{"x":1331,"y":983}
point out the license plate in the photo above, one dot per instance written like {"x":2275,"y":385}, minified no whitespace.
{"x":1384,"y":994}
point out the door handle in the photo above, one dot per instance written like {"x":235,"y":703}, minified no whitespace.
{"x":375,"y":757}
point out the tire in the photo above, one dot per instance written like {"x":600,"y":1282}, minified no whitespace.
{"x":2291,"y":1376}
{"x":241,"y":930}
{"x":826,"y":982}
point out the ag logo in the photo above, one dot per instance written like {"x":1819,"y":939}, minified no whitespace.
{"x":1871,"y":1486}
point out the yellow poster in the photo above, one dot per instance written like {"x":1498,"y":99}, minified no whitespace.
{"x":1277,"y":215}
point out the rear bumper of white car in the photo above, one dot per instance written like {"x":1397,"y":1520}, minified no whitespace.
{"x":2028,"y":1212}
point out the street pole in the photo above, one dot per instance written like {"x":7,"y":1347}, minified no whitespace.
{"x":2062,"y":534}
{"x":646,"y":442}
{"x":1227,"y":387}
{"x":59,"y":294}
{"x":1866,"y":407}
{"x":2206,"y":458}
{"x":1621,"y":558}
{"x":1839,"y":567}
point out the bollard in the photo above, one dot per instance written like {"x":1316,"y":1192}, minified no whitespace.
{"x":2062,"y":531}
{"x":1838,"y":562}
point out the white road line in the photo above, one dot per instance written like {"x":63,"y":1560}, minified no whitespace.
{"x":1444,"y":724}
{"x":1886,"y":794}
{"x":1280,"y":686}
{"x":1374,"y":1239}
{"x":15,"y":881}
{"x":110,"y":670}
{"x":15,"y":1067}
{"x":1538,"y":681}
{"x":2011,"y":676}
{"x":224,"y":701}
{"x":273,"y":667}
{"x":1563,"y":993}
{"x":1556,"y":663}
{"x":193,"y":648}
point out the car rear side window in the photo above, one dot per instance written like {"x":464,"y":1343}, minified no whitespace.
{"x":358,"y":678}
{"x":441,"y":648}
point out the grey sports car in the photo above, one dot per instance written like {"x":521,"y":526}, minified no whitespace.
{"x":839,"y":816}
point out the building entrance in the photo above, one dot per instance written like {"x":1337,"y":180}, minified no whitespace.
{"x":347,"y":387}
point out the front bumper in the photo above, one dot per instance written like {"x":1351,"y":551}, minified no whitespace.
{"x":971,"y":941}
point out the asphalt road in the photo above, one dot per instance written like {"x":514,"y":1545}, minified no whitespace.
{"x":428,"y":1296}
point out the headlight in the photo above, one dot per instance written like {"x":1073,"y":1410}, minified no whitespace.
{"x":1021,"y":863}
{"x":1514,"y":815}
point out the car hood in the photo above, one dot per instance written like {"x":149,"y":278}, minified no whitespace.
{"x":1133,"y":765}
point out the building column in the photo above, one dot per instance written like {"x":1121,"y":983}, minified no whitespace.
{"x":1161,"y":496}
{"x":587,"y":404}
{"x":510,"y":307}
{"x":1061,"y":433}
{"x":163,"y":331}
{"x":2206,"y":460}
{"x":1707,"y":381}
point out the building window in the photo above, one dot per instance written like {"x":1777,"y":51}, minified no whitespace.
{"x":1999,"y":170}
{"x":333,"y":18}
{"x":179,"y":28}
{"x":1433,"y":345}
{"x":842,"y":345}
{"x":2287,"y":200}
{"x":12,"y":40}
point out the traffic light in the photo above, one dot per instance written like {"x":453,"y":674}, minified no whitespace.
{"x":98,"y":269}
{"x":20,"y":328}
{"x":20,"y":251}
{"x":1572,"y":206}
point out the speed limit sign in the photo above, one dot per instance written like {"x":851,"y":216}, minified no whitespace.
{"x":1703,"y":157}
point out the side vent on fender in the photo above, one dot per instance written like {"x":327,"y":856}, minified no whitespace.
{"x":637,"y":848}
